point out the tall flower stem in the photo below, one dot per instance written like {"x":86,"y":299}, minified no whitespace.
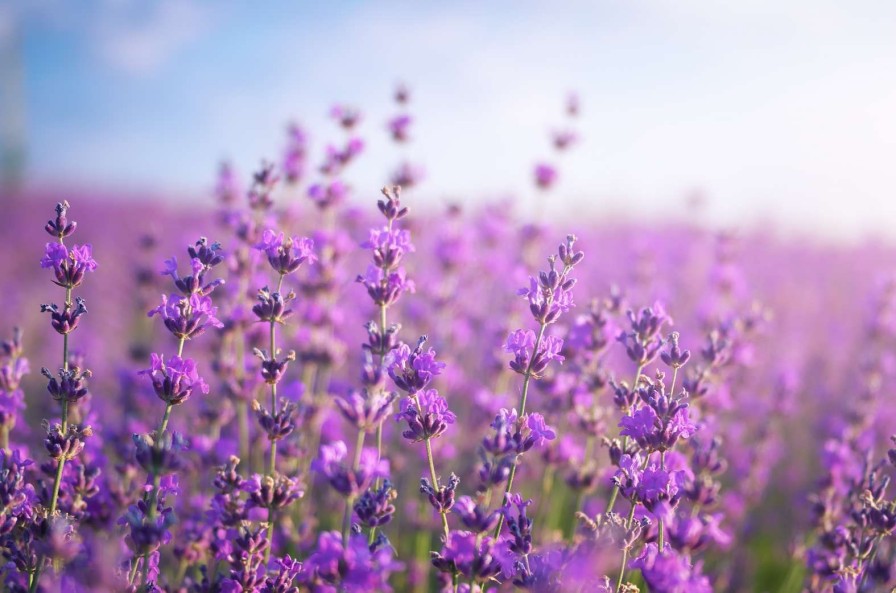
{"x":272,"y":467}
{"x":628,"y":523}
{"x":615,"y":494}
{"x":156,"y":478}
{"x":350,"y":500}
{"x":379,"y":427}
{"x":527,"y":378}
{"x":61,"y":463}
{"x":34,"y":578}
{"x":435,"y":482}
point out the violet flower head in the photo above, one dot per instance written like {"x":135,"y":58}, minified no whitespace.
{"x":660,"y":486}
{"x":399,"y":127}
{"x":442,"y":498}
{"x":385,"y":288}
{"x":71,"y":385}
{"x":174,"y":381}
{"x":564,"y":139}
{"x":628,"y":476}
{"x":13,"y":364}
{"x":331,"y":463}
{"x":69,"y":264}
{"x":263,"y":183}
{"x":295,"y":154}
{"x":227,"y":186}
{"x":427,"y":416}
{"x":668,"y":572}
{"x":328,"y":194}
{"x":675,"y":357}
{"x":366,"y":410}
{"x":66,"y":320}
{"x":472,"y":556}
{"x":277,"y":424}
{"x":475,"y":517}
{"x":282,"y":582}
{"x":352,"y":566}
{"x":514,"y":433}
{"x":413,"y":370}
{"x":375,"y":507}
{"x":160,"y":456}
{"x":61,"y":227}
{"x":390,"y":205}
{"x":270,"y":493}
{"x":389,"y":246}
{"x":66,"y":444}
{"x":346,"y":116}
{"x":17,"y":497}
{"x":658,"y":425}
{"x":193,"y":283}
{"x":545,"y":176}
{"x":550,"y":294}
{"x":286,"y":254}
{"x":273,"y":369}
{"x":643,"y":342}
{"x":187,"y":317}
{"x":273,"y":306}
{"x":521,"y":344}
{"x":517,"y":523}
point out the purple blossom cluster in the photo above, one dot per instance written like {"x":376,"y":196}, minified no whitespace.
{"x":254,"y":421}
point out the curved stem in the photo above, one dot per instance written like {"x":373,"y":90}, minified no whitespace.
{"x":435,"y":484}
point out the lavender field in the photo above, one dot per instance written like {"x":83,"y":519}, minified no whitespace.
{"x":314,"y":387}
{"x":463,"y":297}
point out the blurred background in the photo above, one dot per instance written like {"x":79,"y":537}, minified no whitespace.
{"x":764,"y":112}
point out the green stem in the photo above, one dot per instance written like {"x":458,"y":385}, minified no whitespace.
{"x":35,"y":576}
{"x":527,"y":378}
{"x":628,"y":523}
{"x":350,"y":501}
{"x":435,"y":484}
{"x":156,"y":479}
{"x":615,"y":493}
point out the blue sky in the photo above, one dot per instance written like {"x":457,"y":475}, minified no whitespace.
{"x":781,"y":111}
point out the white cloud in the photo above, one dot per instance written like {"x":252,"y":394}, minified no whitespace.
{"x":139,"y":38}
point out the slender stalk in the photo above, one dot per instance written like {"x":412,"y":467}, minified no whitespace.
{"x":156,"y":479}
{"x":350,"y":500}
{"x":272,"y":467}
{"x":661,"y":526}
{"x":615,"y":493}
{"x":60,"y":464}
{"x":628,"y":523}
{"x":435,"y":484}
{"x":527,"y":378}
{"x":379,"y":427}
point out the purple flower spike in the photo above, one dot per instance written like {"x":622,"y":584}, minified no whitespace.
{"x":413,"y":370}
{"x":669,"y":572}
{"x":545,"y":176}
{"x":349,"y":482}
{"x":175,"y":381}
{"x":187,"y":318}
{"x":286,"y":254}
{"x":520,"y":343}
{"x":69,"y":265}
{"x":427,"y":415}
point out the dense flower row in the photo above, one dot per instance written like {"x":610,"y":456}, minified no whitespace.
{"x":452,"y":420}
